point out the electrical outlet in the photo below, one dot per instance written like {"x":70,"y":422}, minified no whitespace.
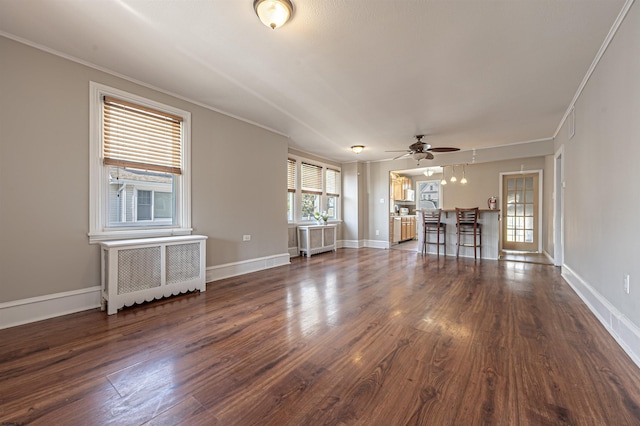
{"x":246,"y":238}
{"x":627,"y":289}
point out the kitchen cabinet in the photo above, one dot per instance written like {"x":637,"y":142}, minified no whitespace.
{"x":404,"y":228}
{"x":408,"y":231}
{"x":398,"y":186}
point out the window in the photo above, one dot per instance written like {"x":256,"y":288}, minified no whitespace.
{"x":144,"y":204}
{"x":139,"y":167}
{"x":291,"y":187}
{"x":333,"y":192}
{"x":312,"y":188}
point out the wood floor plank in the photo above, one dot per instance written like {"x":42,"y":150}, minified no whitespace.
{"x":355,"y":337}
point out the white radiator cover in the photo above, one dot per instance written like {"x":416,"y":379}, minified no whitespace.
{"x":135,"y":271}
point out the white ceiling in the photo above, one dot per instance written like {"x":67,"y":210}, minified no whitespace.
{"x":467,"y":73}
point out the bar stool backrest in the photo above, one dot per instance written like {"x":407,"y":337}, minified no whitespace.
{"x":432,"y":217}
{"x":467,"y":217}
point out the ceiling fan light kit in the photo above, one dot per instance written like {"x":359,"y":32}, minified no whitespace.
{"x":420,"y":150}
{"x":273,"y":13}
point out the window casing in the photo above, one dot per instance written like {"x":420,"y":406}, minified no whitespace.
{"x":312,"y":187}
{"x":291,"y":188}
{"x":332,"y":185}
{"x":139,"y":181}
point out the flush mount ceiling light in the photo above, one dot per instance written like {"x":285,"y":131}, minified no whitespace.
{"x":273,"y":13}
{"x":357,"y":148}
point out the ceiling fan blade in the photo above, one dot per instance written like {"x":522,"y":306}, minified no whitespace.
{"x":403,"y":155}
{"x":444,"y":149}
{"x":430,"y":156}
{"x":399,"y":150}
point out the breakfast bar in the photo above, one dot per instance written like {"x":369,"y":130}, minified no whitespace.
{"x":490,"y":222}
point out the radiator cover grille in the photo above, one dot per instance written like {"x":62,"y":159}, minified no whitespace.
{"x":183,"y":262}
{"x":138,"y":269}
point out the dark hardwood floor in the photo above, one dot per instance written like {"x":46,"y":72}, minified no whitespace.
{"x":357,"y":337}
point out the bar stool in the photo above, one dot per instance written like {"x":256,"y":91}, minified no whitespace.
{"x":432,"y":224}
{"x":467,"y":226}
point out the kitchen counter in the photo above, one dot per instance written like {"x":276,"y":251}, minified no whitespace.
{"x":490,"y":221}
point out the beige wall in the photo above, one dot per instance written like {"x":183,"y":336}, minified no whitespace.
{"x":483,"y":177}
{"x":238,"y":176}
{"x":484,"y":181}
{"x":601,"y":199}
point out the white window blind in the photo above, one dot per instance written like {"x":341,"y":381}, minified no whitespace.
{"x":311,"y":179}
{"x":333,"y":182}
{"x":291,"y":175}
{"x":141,"y":138}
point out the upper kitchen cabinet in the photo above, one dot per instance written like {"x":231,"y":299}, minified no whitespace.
{"x":401,"y":188}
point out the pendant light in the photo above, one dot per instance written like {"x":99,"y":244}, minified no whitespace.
{"x":273,"y":13}
{"x":453,"y":179}
{"x":464,"y":177}
{"x":444,"y":179}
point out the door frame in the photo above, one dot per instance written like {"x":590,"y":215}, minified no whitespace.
{"x":540,"y":174}
{"x":558,"y":207}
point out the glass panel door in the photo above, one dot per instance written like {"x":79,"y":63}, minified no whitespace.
{"x":520,"y":207}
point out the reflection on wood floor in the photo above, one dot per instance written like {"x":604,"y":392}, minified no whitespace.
{"x":526,"y":257}
{"x":411,"y":245}
{"x":512,"y":256}
{"x":353,"y":337}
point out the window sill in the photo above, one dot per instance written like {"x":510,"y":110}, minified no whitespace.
{"x":97,"y":237}
{"x":314,"y":222}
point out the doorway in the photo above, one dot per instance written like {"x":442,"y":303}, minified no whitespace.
{"x":558,"y":210}
{"x":521,"y":211}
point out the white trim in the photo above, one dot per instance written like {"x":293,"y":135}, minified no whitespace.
{"x":219,"y":272}
{"x":377,"y":244}
{"x":351,"y":244}
{"x":293,"y":252}
{"x":39,"y":308}
{"x":540,"y":174}
{"x":558,"y":207}
{"x":99,"y":179}
{"x":596,"y":61}
{"x":619,"y":326}
{"x":572,"y":123}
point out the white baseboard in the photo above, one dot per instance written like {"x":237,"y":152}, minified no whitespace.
{"x":39,"y":308}
{"x":549,"y":257}
{"x":626,"y":333}
{"x":219,"y":272}
{"x":351,"y":243}
{"x":376,"y":244}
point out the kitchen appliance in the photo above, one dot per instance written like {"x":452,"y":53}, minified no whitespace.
{"x":404,"y":211}
{"x":409,"y":195}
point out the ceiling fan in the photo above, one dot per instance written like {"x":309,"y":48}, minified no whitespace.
{"x":420,"y":150}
